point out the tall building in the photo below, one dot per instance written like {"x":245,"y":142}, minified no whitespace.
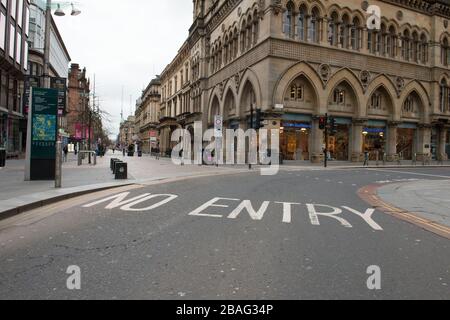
{"x":59,"y":59}
{"x":14,"y":31}
{"x":387,"y":86}
{"x":78,"y":105}
{"x":147,"y":115}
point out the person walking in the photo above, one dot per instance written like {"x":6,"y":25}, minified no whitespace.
{"x":366,"y":158}
{"x":123,"y":151}
{"x":157,"y":152}
{"x":65,"y":152}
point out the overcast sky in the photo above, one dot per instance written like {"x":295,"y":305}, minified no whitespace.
{"x":125,"y":43}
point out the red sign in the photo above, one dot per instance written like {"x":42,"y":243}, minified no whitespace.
{"x":153,"y":133}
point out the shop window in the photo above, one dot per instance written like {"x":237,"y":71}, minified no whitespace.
{"x":339,"y":97}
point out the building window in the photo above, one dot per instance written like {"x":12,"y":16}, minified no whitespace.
{"x":406,"y":46}
{"x":19,"y":12}
{"x":445,"y":52}
{"x":12,"y":36}
{"x":355,"y":34}
{"x":296,"y":93}
{"x":375,"y":102}
{"x":408,"y":106}
{"x":301,"y":24}
{"x":288,"y":20}
{"x":339,"y":97}
{"x":313,"y":26}
{"x":2,"y":31}
{"x":332,"y":29}
{"x":19,"y":48}
{"x":13,"y":8}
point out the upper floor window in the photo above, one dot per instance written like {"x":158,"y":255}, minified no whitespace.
{"x":445,"y":52}
{"x":301,"y":23}
{"x":339,"y":96}
{"x":333,"y":29}
{"x":288,"y":20}
{"x":296,"y":92}
{"x":375,"y":101}
{"x":355,"y":34}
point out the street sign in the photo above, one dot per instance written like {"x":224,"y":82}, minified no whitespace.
{"x":218,"y":126}
{"x":42,"y":134}
{"x":61,"y":85}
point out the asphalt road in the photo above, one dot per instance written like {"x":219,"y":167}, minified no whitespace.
{"x":179,"y":251}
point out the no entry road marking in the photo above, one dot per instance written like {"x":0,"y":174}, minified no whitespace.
{"x":147,"y":202}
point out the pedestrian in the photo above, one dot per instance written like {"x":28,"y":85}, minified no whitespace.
{"x":366,"y":158}
{"x":123,"y":151}
{"x":157,"y":152}
{"x":114,"y":150}
{"x":65,"y":152}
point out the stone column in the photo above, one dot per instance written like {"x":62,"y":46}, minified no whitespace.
{"x":442,"y":143}
{"x":423,"y":144}
{"x":317,"y":154}
{"x":357,"y":140}
{"x":392,"y":142}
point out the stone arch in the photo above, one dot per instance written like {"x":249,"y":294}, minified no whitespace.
{"x":389,"y":87}
{"x":417,"y":87}
{"x":213,"y":110}
{"x":347,"y":76}
{"x":229,"y":100}
{"x":318,"y":6}
{"x":249,"y":76}
{"x":292,"y":73}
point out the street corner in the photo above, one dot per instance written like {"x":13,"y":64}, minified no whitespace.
{"x":370,"y":194}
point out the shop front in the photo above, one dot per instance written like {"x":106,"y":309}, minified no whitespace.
{"x":406,"y":140}
{"x":374,"y":139}
{"x":295,"y":137}
{"x":338,"y":144}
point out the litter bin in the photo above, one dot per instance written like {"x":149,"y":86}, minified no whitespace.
{"x":116,"y":161}
{"x":2,"y":157}
{"x":121,"y":171}
{"x":111,"y":166}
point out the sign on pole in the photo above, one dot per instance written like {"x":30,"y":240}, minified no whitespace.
{"x":218,"y":126}
{"x":42,"y":134}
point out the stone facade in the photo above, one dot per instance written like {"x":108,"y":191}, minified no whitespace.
{"x":387,"y":88}
{"x":147,"y":115}
{"x":78,"y":104}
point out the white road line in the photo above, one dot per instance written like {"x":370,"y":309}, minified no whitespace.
{"x":413,"y":173}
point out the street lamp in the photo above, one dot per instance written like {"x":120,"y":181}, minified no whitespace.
{"x":48,"y":18}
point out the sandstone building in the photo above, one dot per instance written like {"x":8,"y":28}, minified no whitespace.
{"x":297,"y":60}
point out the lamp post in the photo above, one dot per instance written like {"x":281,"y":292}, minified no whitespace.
{"x":48,"y":20}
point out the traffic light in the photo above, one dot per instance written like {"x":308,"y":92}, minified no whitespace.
{"x":333,"y":125}
{"x":322,"y":123}
{"x":259,"y":122}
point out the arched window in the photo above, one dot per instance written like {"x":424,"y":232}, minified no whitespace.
{"x":249,"y":33}
{"x":391,"y":42}
{"x":225,"y":51}
{"x":255,"y":28}
{"x":344,"y":32}
{"x":243,"y":37}
{"x":313,"y":25}
{"x":376,"y":101}
{"x":333,"y":24}
{"x":423,"y":49}
{"x":383,"y":39}
{"x":288,"y":20}
{"x":442,"y":95}
{"x":355,"y":34}
{"x":235,"y":43}
{"x":406,"y":45}
{"x":301,"y":23}
{"x":445,"y":52}
{"x":415,"y":47}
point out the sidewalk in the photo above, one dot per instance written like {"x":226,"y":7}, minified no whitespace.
{"x":17,"y":195}
{"x":428,"y":199}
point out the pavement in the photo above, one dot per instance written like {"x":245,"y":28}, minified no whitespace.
{"x":429,"y":199}
{"x":17,"y":195}
{"x":297,"y":235}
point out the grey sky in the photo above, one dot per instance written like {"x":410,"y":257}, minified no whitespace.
{"x":125,"y":43}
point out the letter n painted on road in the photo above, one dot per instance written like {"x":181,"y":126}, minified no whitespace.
{"x":246,"y":204}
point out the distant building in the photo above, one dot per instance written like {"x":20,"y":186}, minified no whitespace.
{"x":128,"y":131}
{"x":14,"y":22}
{"x":78,"y":105}
{"x":147,"y":115}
